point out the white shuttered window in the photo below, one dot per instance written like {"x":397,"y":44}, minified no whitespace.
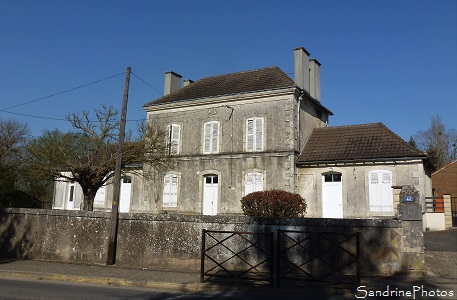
{"x":170,"y":190}
{"x":173,"y":138}
{"x":254,"y":182}
{"x":211,"y":137}
{"x":254,"y":134}
{"x":380,"y":191}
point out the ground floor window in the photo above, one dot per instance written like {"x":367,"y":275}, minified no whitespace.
{"x":170,"y":191}
{"x":380,"y":191}
{"x":253,"y":182}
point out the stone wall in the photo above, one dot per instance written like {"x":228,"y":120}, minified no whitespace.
{"x":174,"y":241}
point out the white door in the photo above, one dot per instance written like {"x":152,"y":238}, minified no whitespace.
{"x":126,"y":190}
{"x":210,"y":194}
{"x":71,"y":196}
{"x":332,"y":196}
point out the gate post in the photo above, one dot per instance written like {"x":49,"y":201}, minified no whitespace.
{"x":410,"y":213}
{"x":447,"y":211}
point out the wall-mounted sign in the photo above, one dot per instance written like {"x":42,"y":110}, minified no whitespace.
{"x":408,"y":198}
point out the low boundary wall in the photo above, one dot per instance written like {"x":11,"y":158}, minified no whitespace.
{"x":174,"y":241}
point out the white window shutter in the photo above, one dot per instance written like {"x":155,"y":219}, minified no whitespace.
{"x":207,"y":138}
{"x":175,"y":138}
{"x":166,"y":190}
{"x":249,"y":184}
{"x":375,"y":192}
{"x":215,"y":138}
{"x":259,"y":134}
{"x":386,"y":193}
{"x":258,"y":182}
{"x":250,"y":135}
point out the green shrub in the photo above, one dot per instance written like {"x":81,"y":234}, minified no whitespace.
{"x":273,"y":203}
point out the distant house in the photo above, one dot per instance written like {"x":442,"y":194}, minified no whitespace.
{"x":352,"y":171}
{"x":445,"y":183}
{"x":233,"y":134}
{"x":445,"y":180}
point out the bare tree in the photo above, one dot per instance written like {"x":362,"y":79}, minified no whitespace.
{"x":13,"y":136}
{"x":88,"y":155}
{"x":438,"y":142}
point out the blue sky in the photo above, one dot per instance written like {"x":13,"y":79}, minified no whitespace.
{"x":390,"y":61}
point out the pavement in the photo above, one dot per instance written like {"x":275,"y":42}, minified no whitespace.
{"x":441,"y":264}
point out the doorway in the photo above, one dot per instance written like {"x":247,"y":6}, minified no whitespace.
{"x":332,"y":195}
{"x":126,"y":191}
{"x":210,"y":194}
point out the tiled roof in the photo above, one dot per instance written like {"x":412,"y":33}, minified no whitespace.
{"x":356,"y":143}
{"x":243,"y":82}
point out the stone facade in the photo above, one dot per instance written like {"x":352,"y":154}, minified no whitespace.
{"x":356,"y":186}
{"x":232,"y":163}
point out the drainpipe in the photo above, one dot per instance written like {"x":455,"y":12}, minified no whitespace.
{"x":300,"y":98}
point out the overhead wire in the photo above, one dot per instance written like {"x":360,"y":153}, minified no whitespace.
{"x":6,"y":109}
{"x":60,"y":93}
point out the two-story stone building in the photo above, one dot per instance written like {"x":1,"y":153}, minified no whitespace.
{"x":233,"y":134}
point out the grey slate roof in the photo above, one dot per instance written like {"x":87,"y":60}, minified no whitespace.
{"x":235,"y":83}
{"x":356,"y":143}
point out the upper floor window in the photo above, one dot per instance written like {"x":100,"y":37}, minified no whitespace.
{"x":254,"y":134}
{"x":173,"y":138}
{"x":211,"y":137}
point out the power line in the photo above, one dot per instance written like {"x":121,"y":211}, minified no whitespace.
{"x":59,"y":93}
{"x":60,"y":119}
{"x":147,"y":83}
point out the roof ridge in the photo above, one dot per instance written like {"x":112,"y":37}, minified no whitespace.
{"x":241,"y":72}
{"x":351,"y":125}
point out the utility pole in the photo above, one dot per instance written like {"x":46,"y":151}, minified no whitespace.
{"x":112,"y":241}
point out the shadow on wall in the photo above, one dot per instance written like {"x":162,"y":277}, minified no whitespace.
{"x":15,"y":241}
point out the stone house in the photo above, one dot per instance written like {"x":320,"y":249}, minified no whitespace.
{"x":233,"y":134}
{"x":357,"y":171}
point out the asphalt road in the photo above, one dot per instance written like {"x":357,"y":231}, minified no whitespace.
{"x":441,"y":253}
{"x":14,"y":289}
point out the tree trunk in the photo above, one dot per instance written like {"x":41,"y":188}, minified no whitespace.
{"x":88,"y":203}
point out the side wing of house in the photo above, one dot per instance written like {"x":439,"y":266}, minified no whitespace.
{"x":353,"y":171}
{"x":68,"y":195}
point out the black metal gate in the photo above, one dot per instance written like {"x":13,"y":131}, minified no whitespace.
{"x":454,"y":211}
{"x":299,"y":256}
{"x":318,"y":256}
{"x":241,"y":255}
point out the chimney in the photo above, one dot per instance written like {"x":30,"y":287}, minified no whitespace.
{"x":187,"y":82}
{"x":172,"y":82}
{"x":315,"y":79}
{"x":301,"y":68}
